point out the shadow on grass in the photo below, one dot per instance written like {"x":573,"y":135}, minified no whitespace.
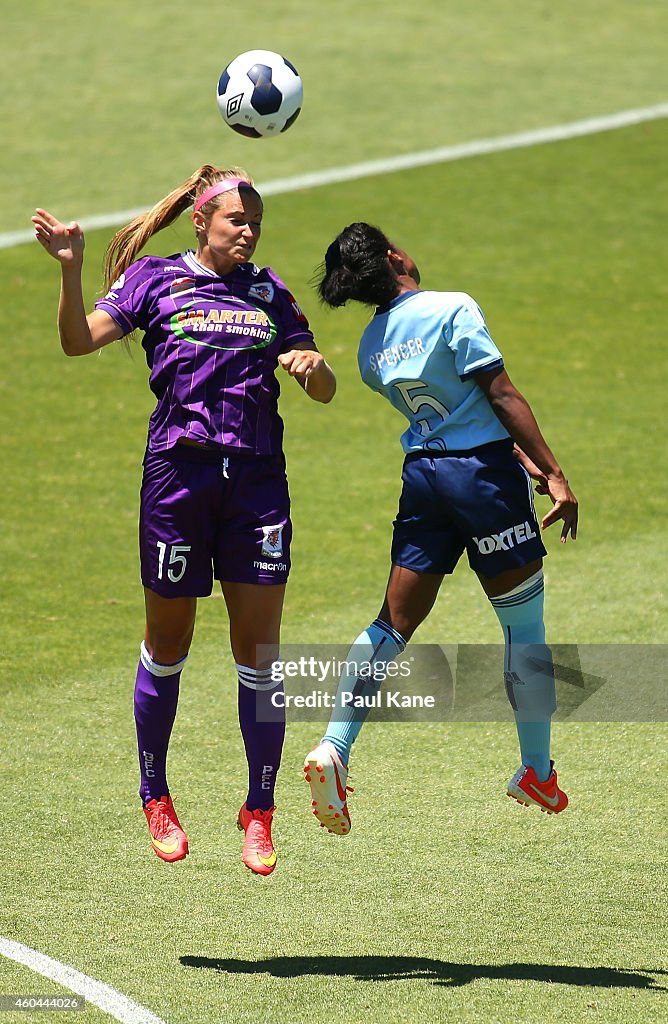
{"x":438,"y":972}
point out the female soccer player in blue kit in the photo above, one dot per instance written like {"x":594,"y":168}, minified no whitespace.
{"x":214,"y":499}
{"x":471,"y":445}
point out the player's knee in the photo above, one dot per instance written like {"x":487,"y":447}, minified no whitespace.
{"x":255,"y":651}
{"x":402,"y":618}
{"x":168,"y":648}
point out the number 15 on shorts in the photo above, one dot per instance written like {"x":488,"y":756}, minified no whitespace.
{"x":176,"y":563}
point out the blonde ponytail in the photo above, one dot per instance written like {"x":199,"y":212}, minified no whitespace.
{"x":127,"y":243}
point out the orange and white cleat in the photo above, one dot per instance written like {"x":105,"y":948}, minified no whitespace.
{"x":258,"y":853}
{"x":526,"y":789}
{"x":167,"y":837}
{"x":327,"y":776}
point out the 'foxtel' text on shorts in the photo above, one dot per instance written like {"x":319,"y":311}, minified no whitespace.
{"x":480,"y":501}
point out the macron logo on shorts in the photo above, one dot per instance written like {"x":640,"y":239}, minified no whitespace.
{"x":505,"y":540}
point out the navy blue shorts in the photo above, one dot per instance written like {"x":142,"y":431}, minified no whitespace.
{"x":479,"y":500}
{"x":204,"y":516}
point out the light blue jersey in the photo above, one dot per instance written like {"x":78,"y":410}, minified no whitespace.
{"x":421,"y":353}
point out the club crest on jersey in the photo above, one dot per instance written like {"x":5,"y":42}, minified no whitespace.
{"x":263,"y":292}
{"x":180,"y":285}
{"x":272,"y":541}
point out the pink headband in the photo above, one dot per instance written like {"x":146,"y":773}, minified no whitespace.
{"x":221,"y":186}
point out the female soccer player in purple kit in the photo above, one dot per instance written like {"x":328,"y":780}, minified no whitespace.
{"x":214,"y":496}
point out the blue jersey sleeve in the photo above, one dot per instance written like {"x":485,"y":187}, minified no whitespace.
{"x":126,"y":300}
{"x":469,"y":340}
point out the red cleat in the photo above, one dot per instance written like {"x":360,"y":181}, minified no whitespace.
{"x":526,"y":789}
{"x":258,"y":853}
{"x":167,"y":837}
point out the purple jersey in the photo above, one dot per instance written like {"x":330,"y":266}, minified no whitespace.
{"x":212,"y":345}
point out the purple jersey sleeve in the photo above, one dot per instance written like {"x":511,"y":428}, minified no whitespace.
{"x":126,"y":300}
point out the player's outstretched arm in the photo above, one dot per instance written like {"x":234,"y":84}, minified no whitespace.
{"x":312,"y":371}
{"x":79,"y":334}
{"x":515,"y":413}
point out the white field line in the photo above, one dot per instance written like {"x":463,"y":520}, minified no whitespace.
{"x":103,"y":996}
{"x":445,"y":154}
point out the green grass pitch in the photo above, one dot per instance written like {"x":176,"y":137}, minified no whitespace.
{"x":447,"y":902}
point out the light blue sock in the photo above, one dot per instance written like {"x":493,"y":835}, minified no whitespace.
{"x":373,"y":649}
{"x":529,"y":674}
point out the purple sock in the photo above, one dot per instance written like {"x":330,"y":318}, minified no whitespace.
{"x":156,"y":697}
{"x":262,"y":722}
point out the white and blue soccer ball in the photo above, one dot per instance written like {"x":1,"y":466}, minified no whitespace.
{"x":260,"y":93}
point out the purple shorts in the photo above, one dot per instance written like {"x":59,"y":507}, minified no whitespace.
{"x":204,"y":515}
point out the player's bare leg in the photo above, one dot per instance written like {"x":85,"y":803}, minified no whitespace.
{"x":409,"y":598}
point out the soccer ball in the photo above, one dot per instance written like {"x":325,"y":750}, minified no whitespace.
{"x":260,"y":93}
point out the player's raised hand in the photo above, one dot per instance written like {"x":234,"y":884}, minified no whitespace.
{"x":64,"y":242}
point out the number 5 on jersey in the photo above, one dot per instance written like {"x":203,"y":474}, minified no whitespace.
{"x":416,"y":399}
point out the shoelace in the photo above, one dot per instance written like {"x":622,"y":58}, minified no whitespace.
{"x":260,"y":836}
{"x":163,"y":821}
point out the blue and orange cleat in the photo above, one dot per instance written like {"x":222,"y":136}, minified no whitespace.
{"x":167,"y":837}
{"x":258,"y":853}
{"x":526,"y":789}
{"x":327,"y":776}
